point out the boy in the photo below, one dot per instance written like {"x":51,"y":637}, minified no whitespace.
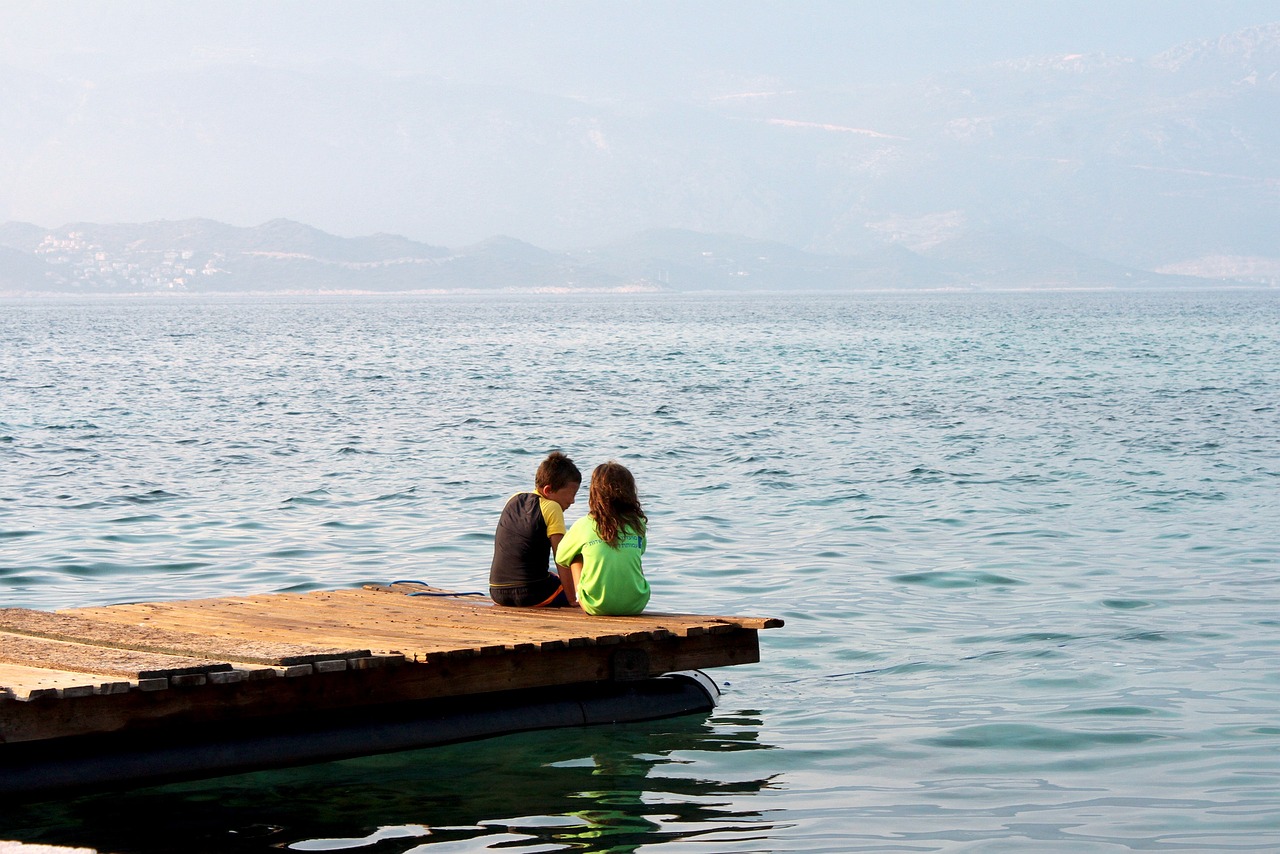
{"x":529,"y":531}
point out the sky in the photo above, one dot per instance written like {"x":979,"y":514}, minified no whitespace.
{"x":53,"y":169}
{"x":562,"y":45}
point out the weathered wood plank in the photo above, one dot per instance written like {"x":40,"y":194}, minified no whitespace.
{"x":140,"y":711}
{"x":464,"y":609}
{"x":72,"y":627}
{"x":557,"y":621}
{"x":61,"y":655}
{"x":377,"y":629}
{"x":318,"y":645}
{"x":17,"y":681}
{"x":427,"y":624}
{"x":409,"y":588}
{"x":320,"y":620}
{"x":419,"y":627}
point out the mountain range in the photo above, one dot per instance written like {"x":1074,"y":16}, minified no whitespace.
{"x":203,"y":256}
{"x":1075,"y":170}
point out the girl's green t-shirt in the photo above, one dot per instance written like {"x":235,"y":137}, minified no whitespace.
{"x":612,"y":582}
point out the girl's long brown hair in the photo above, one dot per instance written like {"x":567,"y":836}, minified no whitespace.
{"x":613,"y":502}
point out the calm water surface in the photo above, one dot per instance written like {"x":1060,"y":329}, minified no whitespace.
{"x":1025,"y":544}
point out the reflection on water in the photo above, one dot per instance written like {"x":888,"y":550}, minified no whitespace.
{"x":594,"y":789}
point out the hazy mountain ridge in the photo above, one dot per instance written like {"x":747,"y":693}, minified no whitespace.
{"x":203,"y":256}
{"x":1165,"y":162}
{"x":1253,"y":53}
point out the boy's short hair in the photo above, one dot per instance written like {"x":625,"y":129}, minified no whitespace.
{"x":556,"y":471}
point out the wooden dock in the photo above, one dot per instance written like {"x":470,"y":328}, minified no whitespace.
{"x":303,"y":677}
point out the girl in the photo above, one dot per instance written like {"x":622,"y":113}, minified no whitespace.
{"x":603,"y":548}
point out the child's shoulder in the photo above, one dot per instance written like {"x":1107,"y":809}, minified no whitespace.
{"x":526,"y":500}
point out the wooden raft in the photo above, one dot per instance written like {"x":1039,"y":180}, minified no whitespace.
{"x":134,"y":668}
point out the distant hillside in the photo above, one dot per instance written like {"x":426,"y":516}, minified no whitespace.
{"x":279,"y":236}
{"x":202,"y":256}
{"x":1012,"y":260}
{"x":1166,"y":162}
{"x":22,"y":236}
{"x":22,"y":271}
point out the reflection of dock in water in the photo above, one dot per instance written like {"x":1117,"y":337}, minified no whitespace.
{"x":170,"y":689}
{"x":591,"y":789}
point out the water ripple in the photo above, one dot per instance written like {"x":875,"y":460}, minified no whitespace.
{"x":1024,"y":544}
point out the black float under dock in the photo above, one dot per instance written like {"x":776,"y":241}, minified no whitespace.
{"x":150,"y":692}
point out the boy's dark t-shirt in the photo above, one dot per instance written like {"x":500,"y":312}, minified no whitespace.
{"x":522,"y":544}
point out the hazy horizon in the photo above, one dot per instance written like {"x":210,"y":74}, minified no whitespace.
{"x":248,"y":112}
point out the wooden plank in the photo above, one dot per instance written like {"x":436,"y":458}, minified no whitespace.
{"x":465,"y":610}
{"x":556,"y":621}
{"x":67,"y":670}
{"x":61,"y":655}
{"x":318,"y":621}
{"x":378,"y":631}
{"x":408,"y":589}
{"x":385,"y":623}
{"x":753,"y":623}
{"x":255,"y":621}
{"x":416,"y":626}
{"x":139,"y":711}
{"x":420,"y":628}
{"x":17,"y":681}
{"x":457,"y":620}
{"x":69,"y":626}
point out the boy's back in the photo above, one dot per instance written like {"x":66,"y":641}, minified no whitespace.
{"x":530,"y":528}
{"x":522,"y":543}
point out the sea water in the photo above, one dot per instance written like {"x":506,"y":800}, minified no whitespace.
{"x":1027,"y":547}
